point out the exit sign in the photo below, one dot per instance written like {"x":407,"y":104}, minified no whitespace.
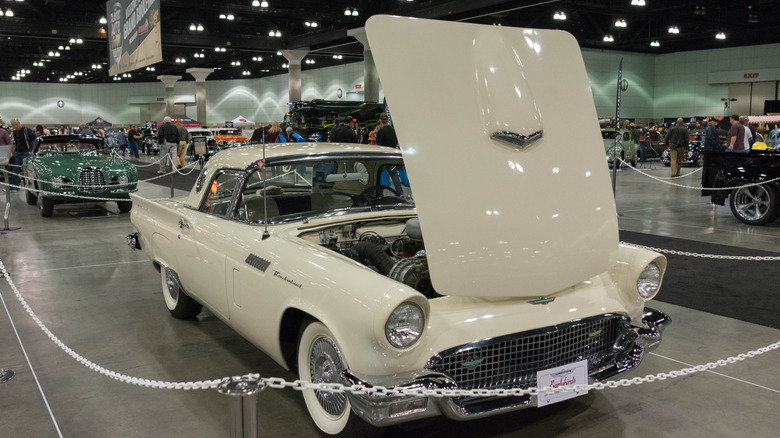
{"x":751,"y":75}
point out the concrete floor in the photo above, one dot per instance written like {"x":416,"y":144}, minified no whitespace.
{"x":103,"y":300}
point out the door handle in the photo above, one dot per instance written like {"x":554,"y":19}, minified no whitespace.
{"x":182,"y":225}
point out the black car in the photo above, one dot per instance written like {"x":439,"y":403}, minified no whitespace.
{"x":693,"y":155}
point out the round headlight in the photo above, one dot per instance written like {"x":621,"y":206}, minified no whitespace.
{"x":405,"y":325}
{"x":649,"y":281}
{"x":122,"y":179}
{"x":58,"y":181}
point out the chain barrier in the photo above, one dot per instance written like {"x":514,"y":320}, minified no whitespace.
{"x":705,"y":256}
{"x":300,"y":385}
{"x":668,"y":180}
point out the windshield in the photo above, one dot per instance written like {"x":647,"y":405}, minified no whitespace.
{"x":304,"y":189}
{"x":69,"y":147}
{"x":228,"y":132}
{"x":608,"y":134}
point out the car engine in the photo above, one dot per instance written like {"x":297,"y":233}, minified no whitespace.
{"x":400,"y":256}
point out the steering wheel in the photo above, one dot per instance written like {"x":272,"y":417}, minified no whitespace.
{"x":377,"y":189}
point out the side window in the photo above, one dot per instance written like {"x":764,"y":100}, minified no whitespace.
{"x":219,"y":194}
{"x":626,"y":137}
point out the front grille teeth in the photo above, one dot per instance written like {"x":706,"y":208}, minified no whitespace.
{"x":512,"y":361}
{"x":92,"y":180}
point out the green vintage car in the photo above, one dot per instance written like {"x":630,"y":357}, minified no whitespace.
{"x":73,"y":168}
{"x":618,"y":143}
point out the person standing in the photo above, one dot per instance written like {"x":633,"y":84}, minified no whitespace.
{"x":121,"y":140}
{"x":168,"y":137}
{"x":293,"y":136}
{"x":344,"y":133}
{"x":736,"y":136}
{"x":324,"y":131}
{"x":677,"y":139}
{"x":134,"y":138}
{"x":711,"y":138}
{"x":750,"y":131}
{"x":272,"y":136}
{"x":181,"y":150}
{"x":386,"y":134}
{"x":23,"y":139}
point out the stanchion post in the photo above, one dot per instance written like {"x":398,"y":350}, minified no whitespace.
{"x":7,"y":212}
{"x":173,"y":167}
{"x":243,"y":404}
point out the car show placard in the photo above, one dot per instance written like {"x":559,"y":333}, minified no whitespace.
{"x":567,"y":375}
{"x":133,"y":34}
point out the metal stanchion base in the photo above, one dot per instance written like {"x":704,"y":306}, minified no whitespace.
{"x":243,"y":406}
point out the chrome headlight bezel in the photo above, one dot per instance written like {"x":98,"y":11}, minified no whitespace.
{"x":60,"y":181}
{"x":648,"y":283}
{"x":122,"y":179}
{"x":405,"y":325}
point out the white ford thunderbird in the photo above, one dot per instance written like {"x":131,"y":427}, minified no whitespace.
{"x":482,"y":254}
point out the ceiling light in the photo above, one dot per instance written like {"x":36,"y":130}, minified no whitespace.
{"x":354,"y":13}
{"x":637,"y":2}
{"x":231,"y":17}
{"x":60,"y":48}
{"x":246,"y":73}
{"x":278,"y":34}
{"x":257,"y":58}
{"x":35,"y":64}
{"x":655,"y":43}
{"x":222,"y":16}
{"x":56,"y":54}
{"x":621,"y":23}
{"x":200,"y":28}
{"x":102,"y":20}
{"x":753,"y":19}
{"x":559,"y":15}
{"x":79,"y":41}
{"x":192,"y":27}
{"x":699,"y":10}
{"x":284,"y":65}
{"x":271,"y":33}
{"x":278,"y":53}
{"x":67,"y":47}
{"x":51,"y":53}
{"x":1,"y":14}
{"x":337,"y":56}
{"x":674,"y":29}
{"x":72,"y":41}
{"x":263,"y":4}
{"x":256,"y":3}
{"x":720,"y":36}
{"x":9,"y":13}
{"x":347,"y":12}
{"x":608,"y":38}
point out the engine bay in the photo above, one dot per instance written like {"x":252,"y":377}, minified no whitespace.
{"x":391,"y":247}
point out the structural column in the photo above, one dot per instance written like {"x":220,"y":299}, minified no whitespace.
{"x":294,"y":58}
{"x":370,"y":76}
{"x":200,"y":75}
{"x":169,"y":81}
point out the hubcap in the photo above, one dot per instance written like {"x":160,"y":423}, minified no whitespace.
{"x":325,"y":364}
{"x":173,"y":285}
{"x":752,"y":203}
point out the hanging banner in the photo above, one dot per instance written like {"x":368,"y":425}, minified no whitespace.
{"x":133,"y":34}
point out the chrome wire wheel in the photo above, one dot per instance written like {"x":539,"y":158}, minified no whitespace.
{"x":754,"y":205}
{"x":325,"y":364}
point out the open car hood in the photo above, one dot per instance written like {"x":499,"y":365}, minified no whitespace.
{"x":502,"y":145}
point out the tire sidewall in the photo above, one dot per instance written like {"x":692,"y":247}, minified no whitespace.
{"x":772,"y":212}
{"x":326,"y":422}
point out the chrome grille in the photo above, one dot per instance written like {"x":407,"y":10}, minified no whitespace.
{"x":90,"y":177}
{"x":512,"y":361}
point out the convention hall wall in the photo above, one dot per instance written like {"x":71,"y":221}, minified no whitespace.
{"x":659,"y":86}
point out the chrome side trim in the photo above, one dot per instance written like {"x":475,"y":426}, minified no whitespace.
{"x":517,"y":140}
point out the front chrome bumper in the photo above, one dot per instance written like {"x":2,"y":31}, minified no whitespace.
{"x":381,"y":410}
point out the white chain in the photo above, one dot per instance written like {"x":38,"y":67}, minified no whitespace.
{"x":276,"y":382}
{"x":667,"y":180}
{"x":705,"y":256}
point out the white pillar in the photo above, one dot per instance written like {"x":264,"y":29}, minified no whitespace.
{"x":294,"y":58}
{"x":169,"y":81}
{"x":200,"y":75}
{"x":370,"y":76}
